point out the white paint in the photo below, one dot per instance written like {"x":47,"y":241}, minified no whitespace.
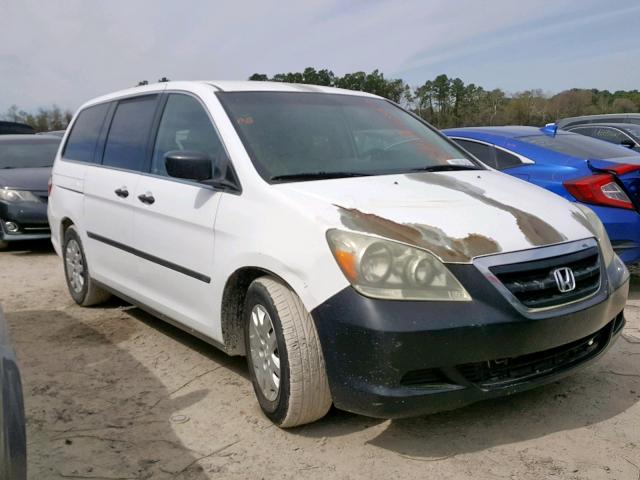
{"x":278,"y":228}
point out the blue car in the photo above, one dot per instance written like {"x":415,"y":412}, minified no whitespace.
{"x":604,"y":176}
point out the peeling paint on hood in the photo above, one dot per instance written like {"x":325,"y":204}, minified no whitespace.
{"x":425,"y":236}
{"x":457,"y":216}
{"x":536,"y":230}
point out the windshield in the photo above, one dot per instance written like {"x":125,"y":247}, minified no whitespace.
{"x":579,"y":146}
{"x":298,"y":136}
{"x":28,"y":152}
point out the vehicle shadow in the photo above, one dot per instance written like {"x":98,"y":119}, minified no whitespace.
{"x":29,"y":247}
{"x":92,"y":409}
{"x":237,"y":365}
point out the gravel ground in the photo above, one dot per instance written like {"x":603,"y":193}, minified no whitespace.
{"x":113,"y":393}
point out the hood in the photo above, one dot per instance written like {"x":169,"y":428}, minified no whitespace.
{"x":33,"y":179}
{"x":455,"y":215}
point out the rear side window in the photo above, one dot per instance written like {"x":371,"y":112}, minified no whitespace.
{"x":82,"y":141}
{"x":126,"y":144}
{"x":610,"y":135}
{"x":484,"y":153}
{"x":589,"y":131}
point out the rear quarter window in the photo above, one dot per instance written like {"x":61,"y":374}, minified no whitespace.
{"x":484,"y":153}
{"x":506,"y":160}
{"x":81,"y":144}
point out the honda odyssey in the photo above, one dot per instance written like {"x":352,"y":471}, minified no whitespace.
{"x":353,"y":254}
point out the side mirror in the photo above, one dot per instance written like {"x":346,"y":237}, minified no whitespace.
{"x":627,"y":142}
{"x":188,"y":165}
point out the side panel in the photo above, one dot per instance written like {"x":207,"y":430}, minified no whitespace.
{"x":108,"y":222}
{"x":177,"y":230}
{"x":66,"y":198}
{"x":266,"y":230}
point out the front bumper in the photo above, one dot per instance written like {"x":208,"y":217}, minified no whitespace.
{"x":391,"y":359}
{"x":31,"y":217}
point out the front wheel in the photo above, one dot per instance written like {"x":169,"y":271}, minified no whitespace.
{"x":3,"y":245}
{"x":284,"y":355}
{"x":82,"y":287}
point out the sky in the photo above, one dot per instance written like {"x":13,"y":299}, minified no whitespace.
{"x":68,"y":51}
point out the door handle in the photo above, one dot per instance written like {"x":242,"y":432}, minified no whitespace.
{"x":146,"y":198}
{"x":122,"y":192}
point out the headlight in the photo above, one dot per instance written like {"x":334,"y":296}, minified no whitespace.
{"x":384,"y":269}
{"x":599,"y":232}
{"x":9,"y":195}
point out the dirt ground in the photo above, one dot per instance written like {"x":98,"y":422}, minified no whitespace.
{"x":113,"y":393}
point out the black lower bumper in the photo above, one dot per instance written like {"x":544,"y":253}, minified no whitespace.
{"x":30,"y":217}
{"x":391,"y":359}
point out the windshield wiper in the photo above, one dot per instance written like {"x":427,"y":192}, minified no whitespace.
{"x":317,"y":175}
{"x":445,"y":168}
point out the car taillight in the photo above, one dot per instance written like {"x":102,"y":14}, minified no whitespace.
{"x":600,"y":189}
{"x":49,"y":186}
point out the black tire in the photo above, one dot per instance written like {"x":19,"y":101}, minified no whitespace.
{"x":90,"y":293}
{"x":3,"y":245}
{"x":303,"y":395}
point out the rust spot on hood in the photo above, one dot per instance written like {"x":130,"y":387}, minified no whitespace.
{"x":432,"y":239}
{"x":536,"y":231}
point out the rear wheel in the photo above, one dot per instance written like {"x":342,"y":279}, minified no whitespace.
{"x":284,"y":355}
{"x":82,"y":287}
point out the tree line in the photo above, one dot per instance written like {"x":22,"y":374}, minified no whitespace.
{"x":444,"y":101}
{"x":449,"y":102}
{"x":42,"y":120}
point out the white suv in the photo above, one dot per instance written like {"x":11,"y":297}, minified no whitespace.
{"x":349,"y":250}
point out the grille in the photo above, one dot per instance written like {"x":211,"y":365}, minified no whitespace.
{"x":507,"y":371}
{"x":534,"y":285}
{"x":430,"y":376}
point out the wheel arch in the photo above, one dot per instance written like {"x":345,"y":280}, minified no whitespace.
{"x":65,"y":223}
{"x":233,"y":298}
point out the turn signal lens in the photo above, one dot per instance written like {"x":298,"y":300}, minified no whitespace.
{"x":347,"y":262}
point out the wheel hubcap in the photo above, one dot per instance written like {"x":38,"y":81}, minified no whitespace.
{"x":264,"y":352}
{"x":75,"y":266}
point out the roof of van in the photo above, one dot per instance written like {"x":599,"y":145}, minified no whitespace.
{"x":228,"y":86}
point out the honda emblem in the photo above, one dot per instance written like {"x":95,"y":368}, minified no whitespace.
{"x":565,"y":280}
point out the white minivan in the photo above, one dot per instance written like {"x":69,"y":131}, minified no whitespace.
{"x":355,"y":255}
